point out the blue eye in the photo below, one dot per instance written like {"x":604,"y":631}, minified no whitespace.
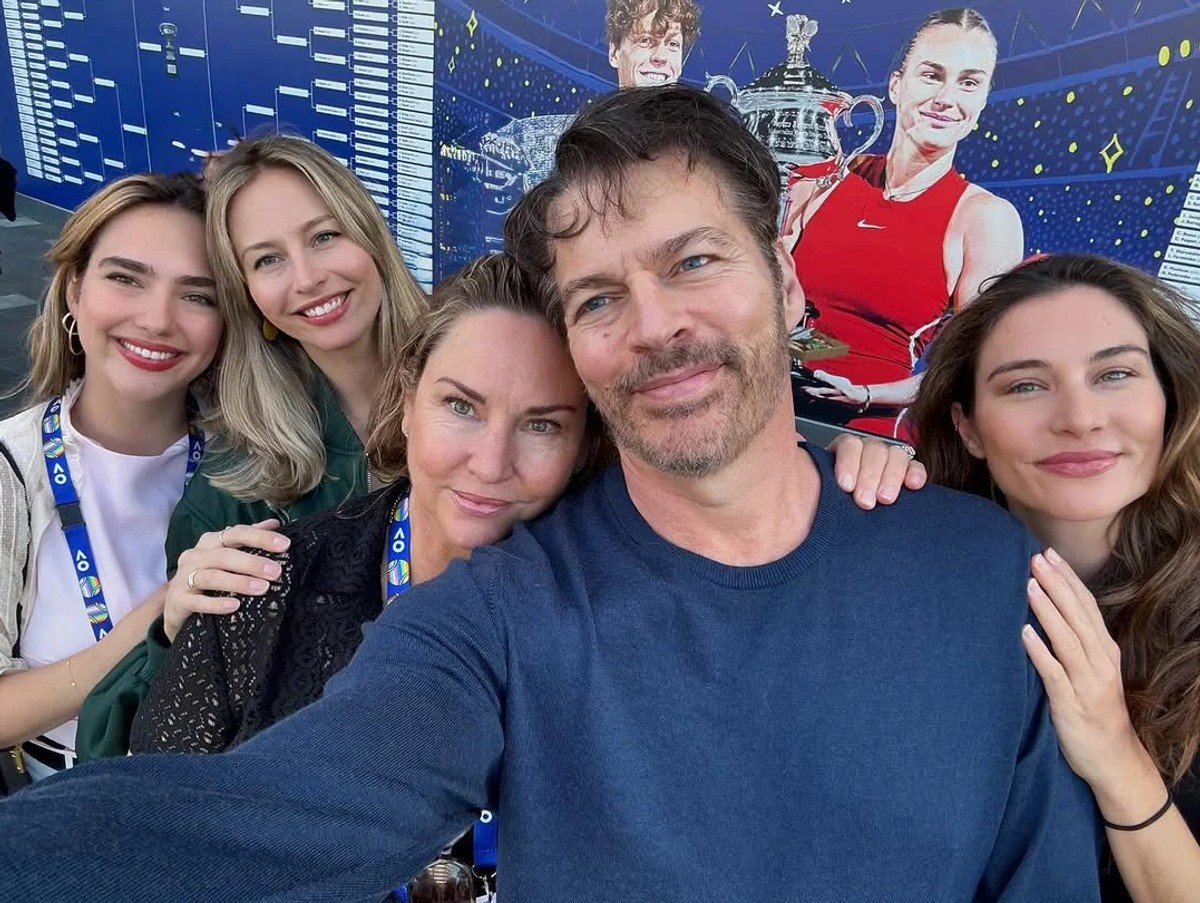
{"x":542,"y":425}
{"x":461,"y":407}
{"x":1024,"y":388}
{"x":593,"y":304}
{"x":324,"y":237}
{"x":265,"y":260}
{"x":1115,"y":376}
{"x":694,"y":263}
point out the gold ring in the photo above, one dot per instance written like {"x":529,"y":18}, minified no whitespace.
{"x":191,"y":580}
{"x":221,"y":539}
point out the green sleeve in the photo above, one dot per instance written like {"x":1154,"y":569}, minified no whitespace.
{"x":108,"y":711}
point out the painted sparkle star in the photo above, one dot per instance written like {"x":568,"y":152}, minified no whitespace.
{"x":774,"y":8}
{"x":472,"y":24}
{"x":1112,"y":152}
{"x":450,"y":65}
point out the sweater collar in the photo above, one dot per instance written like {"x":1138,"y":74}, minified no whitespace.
{"x":831,"y":507}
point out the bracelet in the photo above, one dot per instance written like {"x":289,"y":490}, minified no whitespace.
{"x":1148,"y":822}
{"x":866,"y":404}
{"x":71,"y":676}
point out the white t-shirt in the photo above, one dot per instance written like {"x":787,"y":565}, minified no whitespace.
{"x":126,"y":501}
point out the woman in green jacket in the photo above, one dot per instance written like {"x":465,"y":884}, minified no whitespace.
{"x":316,"y":298}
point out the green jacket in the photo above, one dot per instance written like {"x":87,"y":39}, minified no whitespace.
{"x":108,"y":711}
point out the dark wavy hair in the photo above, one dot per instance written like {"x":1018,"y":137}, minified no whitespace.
{"x":622,"y":15}
{"x":626,"y":128}
{"x":1149,"y":590}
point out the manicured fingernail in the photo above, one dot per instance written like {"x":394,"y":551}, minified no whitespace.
{"x":258,"y":586}
{"x":887,"y":494}
{"x":281,"y":542}
{"x":231,"y":605}
{"x":1039,"y":559}
{"x":271,"y":570}
{"x":1032,"y":586}
{"x":1028,"y":632}
{"x":846,"y":482}
{"x":1053,"y":556}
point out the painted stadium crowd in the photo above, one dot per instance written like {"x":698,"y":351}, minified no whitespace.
{"x":309,"y":580}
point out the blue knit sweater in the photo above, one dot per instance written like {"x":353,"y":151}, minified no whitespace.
{"x":855,"y":721}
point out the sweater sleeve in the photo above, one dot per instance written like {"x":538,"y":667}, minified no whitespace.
{"x":108,"y":710}
{"x":343,"y":800}
{"x":1048,"y":847}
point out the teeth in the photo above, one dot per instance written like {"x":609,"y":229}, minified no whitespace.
{"x":147,"y":353}
{"x":655,"y":76}
{"x":322,"y":309}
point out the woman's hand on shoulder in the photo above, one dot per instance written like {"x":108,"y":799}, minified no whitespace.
{"x":873,"y":470}
{"x":217,"y":564}
{"x":1082,"y":675}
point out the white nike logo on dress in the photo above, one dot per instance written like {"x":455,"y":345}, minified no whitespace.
{"x":863,"y":224}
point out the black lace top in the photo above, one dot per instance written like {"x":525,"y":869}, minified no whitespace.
{"x":230,"y":676}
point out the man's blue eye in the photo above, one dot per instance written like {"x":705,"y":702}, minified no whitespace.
{"x":694,"y":263}
{"x":593,"y":304}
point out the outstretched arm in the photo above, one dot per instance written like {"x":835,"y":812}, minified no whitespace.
{"x":343,"y":800}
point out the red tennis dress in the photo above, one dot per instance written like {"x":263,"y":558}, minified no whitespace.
{"x":873,"y":269}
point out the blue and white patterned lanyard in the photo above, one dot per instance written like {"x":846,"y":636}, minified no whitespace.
{"x":399,"y":579}
{"x":66,"y":501}
{"x":399,"y":570}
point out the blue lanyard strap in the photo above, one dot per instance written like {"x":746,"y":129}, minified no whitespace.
{"x":66,"y":501}
{"x":399,"y":571}
{"x":399,"y":579}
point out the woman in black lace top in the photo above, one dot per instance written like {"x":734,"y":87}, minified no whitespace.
{"x":482,"y":422}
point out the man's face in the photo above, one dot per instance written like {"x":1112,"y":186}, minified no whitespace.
{"x":646,"y":58}
{"x":676,"y":324}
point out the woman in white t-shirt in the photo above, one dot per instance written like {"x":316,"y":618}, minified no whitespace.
{"x":95,"y":466}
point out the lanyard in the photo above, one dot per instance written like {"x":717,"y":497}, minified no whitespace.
{"x":66,"y":502}
{"x":399,"y":579}
{"x":399,"y":572}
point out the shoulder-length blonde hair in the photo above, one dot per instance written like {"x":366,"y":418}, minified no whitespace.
{"x":1149,"y":590}
{"x":492,"y":282}
{"x":265,"y":412}
{"x":52,"y":363}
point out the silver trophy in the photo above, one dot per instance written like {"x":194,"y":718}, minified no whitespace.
{"x":793,"y":109}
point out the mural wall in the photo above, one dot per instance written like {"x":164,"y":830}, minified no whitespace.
{"x":1032,"y":126}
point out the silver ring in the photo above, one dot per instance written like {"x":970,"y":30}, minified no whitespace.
{"x":910,"y":451}
{"x":191,"y":580}
{"x":221,"y":538}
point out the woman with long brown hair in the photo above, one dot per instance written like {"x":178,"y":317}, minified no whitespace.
{"x":1069,"y":391}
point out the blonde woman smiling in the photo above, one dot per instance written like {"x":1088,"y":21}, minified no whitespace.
{"x":317,"y":299}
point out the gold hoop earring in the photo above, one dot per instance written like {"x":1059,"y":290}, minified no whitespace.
{"x":72,"y":331}
{"x":270,"y":331}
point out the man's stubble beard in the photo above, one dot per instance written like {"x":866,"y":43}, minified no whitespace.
{"x":759,"y":376}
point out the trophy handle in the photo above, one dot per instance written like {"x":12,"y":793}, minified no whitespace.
{"x":873,"y":102}
{"x":731,"y":86}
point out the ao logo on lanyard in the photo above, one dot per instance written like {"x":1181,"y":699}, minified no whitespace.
{"x":66,"y":501}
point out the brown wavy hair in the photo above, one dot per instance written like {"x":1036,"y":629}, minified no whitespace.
{"x":622,"y":15}
{"x":491,"y":282}
{"x":1149,"y":590}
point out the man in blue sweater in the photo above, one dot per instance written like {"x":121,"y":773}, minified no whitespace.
{"x":706,"y":676}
